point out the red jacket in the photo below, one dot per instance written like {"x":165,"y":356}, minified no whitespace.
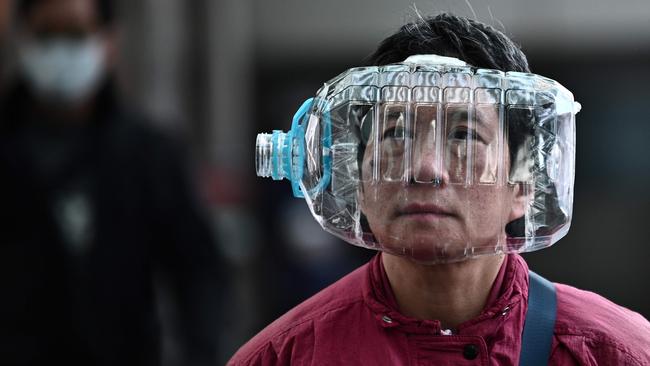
{"x":356,"y":322}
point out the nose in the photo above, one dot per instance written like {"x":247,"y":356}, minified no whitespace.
{"x":427,"y":165}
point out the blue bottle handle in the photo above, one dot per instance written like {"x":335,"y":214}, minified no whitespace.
{"x":293,"y":162}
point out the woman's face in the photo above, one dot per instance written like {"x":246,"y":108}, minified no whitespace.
{"x":435,"y":189}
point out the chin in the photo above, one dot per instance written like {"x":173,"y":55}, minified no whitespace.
{"x":428,"y":250}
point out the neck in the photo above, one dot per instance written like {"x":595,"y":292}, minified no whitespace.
{"x":451,"y":293}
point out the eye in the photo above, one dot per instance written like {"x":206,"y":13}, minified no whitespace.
{"x":461,"y":134}
{"x":464,"y":134}
{"x":397,"y":132}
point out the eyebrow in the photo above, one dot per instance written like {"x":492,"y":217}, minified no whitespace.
{"x":394,"y":113}
{"x":462,"y":115}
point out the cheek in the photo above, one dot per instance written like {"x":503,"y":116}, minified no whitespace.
{"x":377,"y":199}
{"x":366,"y":170}
{"x":367,"y":164}
{"x":486,"y":164}
{"x":378,"y":203}
{"x":487,"y":208}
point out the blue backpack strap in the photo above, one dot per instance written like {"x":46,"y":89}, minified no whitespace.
{"x":540,"y":321}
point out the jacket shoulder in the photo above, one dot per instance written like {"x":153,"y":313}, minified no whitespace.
{"x":297,"y":325}
{"x":601,"y":326}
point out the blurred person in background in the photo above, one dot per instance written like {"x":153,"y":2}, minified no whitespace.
{"x":97,"y":208}
{"x":5,"y":21}
{"x":5,"y":12}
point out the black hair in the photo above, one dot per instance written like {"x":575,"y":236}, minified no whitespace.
{"x":105,"y":9}
{"x":478,"y":44}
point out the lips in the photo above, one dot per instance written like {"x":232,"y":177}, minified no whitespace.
{"x":424,"y":210}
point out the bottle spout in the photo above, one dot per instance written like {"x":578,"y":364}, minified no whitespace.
{"x":263,"y":155}
{"x":273,"y":155}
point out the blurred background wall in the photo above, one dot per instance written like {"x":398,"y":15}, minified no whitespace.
{"x":218,"y":72}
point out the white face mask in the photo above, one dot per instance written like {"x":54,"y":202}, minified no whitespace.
{"x":63,"y":70}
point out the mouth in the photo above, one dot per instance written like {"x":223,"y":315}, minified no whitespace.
{"x":424,"y":211}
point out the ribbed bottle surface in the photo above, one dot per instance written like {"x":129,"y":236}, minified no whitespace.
{"x":263,"y":153}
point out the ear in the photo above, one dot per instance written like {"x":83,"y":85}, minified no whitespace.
{"x":361,"y":198}
{"x":521,"y":196}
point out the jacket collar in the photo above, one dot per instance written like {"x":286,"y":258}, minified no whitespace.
{"x":504,"y":308}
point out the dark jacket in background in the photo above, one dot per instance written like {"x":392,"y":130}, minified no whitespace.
{"x":87,"y":215}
